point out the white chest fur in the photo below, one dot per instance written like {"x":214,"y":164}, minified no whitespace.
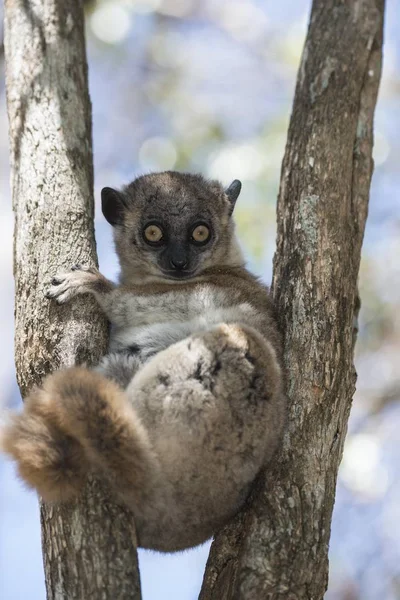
{"x":174,"y":316}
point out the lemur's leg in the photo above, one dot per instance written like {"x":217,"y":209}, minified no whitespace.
{"x":79,"y":420}
{"x":214,"y":408}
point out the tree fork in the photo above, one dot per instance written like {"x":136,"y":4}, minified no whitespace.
{"x":277,"y":548}
{"x":89,"y":546}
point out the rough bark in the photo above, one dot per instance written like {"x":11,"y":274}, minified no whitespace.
{"x":89,"y":546}
{"x":277,"y":548}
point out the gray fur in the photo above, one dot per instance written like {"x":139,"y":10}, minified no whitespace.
{"x":199,"y":357}
{"x":177,"y":200}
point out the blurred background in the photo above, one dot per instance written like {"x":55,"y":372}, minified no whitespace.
{"x":207,"y":85}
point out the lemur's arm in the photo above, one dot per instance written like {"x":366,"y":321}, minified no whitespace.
{"x":121,"y":307}
{"x":147,"y":324}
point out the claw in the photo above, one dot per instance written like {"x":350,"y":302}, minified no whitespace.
{"x":77,"y":267}
{"x":56,"y":281}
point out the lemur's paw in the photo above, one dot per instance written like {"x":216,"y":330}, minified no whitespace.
{"x":47,"y":459}
{"x":65,"y":286}
{"x":80,"y":280}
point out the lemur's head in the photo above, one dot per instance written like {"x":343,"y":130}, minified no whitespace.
{"x":172,"y":226}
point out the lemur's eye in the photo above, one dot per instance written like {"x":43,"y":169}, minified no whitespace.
{"x":153,"y":234}
{"x":200,"y":234}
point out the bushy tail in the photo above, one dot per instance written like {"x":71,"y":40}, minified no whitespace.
{"x":47,"y":459}
{"x":77,"y":422}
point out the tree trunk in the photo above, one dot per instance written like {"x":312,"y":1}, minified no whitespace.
{"x":88,"y":546}
{"x":277,"y":548}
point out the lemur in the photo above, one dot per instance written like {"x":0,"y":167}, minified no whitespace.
{"x":188,"y":406}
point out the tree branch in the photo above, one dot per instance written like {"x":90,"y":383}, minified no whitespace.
{"x":277,"y":548}
{"x":89,"y":546}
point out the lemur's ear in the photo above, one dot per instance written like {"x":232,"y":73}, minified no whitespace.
{"x":233,"y":192}
{"x":112,"y":205}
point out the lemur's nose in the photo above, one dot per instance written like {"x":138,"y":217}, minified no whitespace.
{"x":178,"y":263}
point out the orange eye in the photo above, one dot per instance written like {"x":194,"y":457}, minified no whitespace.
{"x":153,"y":234}
{"x":201,"y":234}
